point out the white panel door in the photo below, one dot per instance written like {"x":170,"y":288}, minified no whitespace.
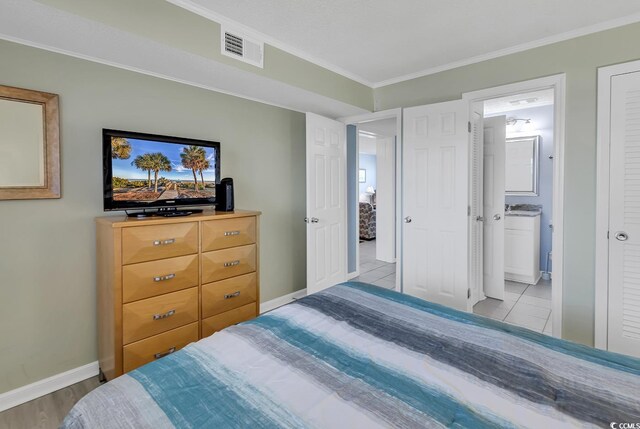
{"x":476,"y":205}
{"x":326,"y":203}
{"x":624,"y":216}
{"x":386,"y":199}
{"x":435,"y":198}
{"x":493,"y":211}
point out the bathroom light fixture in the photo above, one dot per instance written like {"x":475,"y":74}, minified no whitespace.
{"x":513,"y":121}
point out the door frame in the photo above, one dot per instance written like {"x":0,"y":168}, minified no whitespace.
{"x":558,"y":84}
{"x":603,"y":145}
{"x":370,"y":117}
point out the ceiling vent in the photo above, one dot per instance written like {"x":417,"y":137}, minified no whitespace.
{"x":237,"y":45}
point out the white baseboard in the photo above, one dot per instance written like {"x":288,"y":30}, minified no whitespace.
{"x":282,"y":300}
{"x":40,"y":388}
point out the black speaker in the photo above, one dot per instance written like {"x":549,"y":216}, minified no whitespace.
{"x":224,"y":195}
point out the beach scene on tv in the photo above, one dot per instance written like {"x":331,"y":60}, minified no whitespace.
{"x":148,"y":171}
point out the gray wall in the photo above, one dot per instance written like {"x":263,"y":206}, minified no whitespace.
{"x":47,"y":251}
{"x":579,"y":58}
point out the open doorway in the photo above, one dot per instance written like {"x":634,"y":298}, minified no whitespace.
{"x":372,"y":164}
{"x":517,"y":214}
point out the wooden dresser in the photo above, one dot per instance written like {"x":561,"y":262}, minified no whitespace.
{"x":166,"y":282}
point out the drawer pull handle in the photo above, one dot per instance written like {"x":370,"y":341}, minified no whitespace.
{"x":231,"y":233}
{"x":232,"y":295}
{"x":164,"y":316}
{"x":232,"y":263}
{"x":164,"y":242}
{"x":168,"y":352}
{"x":163,"y":278}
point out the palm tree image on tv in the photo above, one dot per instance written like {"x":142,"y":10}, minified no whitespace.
{"x":148,"y":171}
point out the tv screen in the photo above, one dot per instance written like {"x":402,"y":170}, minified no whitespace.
{"x":151,"y":171}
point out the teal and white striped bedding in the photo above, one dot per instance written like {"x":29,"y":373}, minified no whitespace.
{"x":359,"y":356}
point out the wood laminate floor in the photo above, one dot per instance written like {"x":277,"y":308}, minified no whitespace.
{"x":48,"y":411}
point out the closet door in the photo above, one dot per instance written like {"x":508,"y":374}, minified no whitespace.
{"x":624,"y":216}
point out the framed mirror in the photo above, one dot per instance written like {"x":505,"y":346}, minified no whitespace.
{"x":522,"y":157}
{"x":29,"y":144}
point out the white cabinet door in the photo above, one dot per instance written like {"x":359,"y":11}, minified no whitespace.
{"x":436,"y":191}
{"x":326,"y":203}
{"x":624,"y":216}
{"x":493,"y":189}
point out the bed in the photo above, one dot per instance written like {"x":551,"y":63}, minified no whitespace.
{"x":359,"y":356}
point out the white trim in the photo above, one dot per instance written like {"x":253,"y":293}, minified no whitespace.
{"x":43,"y":387}
{"x":603,"y":143}
{"x":369,"y":117}
{"x":282,"y":300}
{"x":583,"y":31}
{"x":558,"y":83}
{"x":223,"y":20}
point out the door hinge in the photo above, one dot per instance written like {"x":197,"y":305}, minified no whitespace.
{"x":607,"y":235}
{"x":468,"y":293}
{"x":468,"y":210}
{"x":469,"y":126}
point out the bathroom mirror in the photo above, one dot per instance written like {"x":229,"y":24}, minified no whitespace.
{"x":521,"y":165}
{"x":29,"y":144}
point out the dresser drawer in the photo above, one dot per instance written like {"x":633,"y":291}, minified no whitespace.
{"x":222,"y":264}
{"x":154,"y":278}
{"x":148,"y":243}
{"x":151,"y":316}
{"x":228,"y":318}
{"x":152,"y":348}
{"x":222,"y":234}
{"x":228,"y":294}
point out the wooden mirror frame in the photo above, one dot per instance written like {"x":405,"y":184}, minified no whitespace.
{"x":51,"y":146}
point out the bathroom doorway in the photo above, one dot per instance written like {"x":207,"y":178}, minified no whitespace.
{"x":516,"y":280}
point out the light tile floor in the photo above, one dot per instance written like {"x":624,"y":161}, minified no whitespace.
{"x":373,"y":271}
{"x":524,"y":305}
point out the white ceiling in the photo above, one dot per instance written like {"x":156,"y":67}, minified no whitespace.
{"x":518,"y":102}
{"x":380,"y":41}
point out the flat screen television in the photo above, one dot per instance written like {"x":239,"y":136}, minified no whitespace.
{"x":148,"y":171}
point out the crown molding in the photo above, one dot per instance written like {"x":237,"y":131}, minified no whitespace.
{"x":583,"y":31}
{"x":223,"y":20}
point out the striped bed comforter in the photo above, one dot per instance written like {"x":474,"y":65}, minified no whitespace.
{"x":358,"y":356}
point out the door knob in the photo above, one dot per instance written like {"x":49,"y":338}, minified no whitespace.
{"x":497,"y":217}
{"x":621,"y":236}
{"x":407,"y":219}
{"x":311,"y":220}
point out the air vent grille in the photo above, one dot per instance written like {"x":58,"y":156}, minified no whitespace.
{"x":245,"y":48}
{"x":233,"y":44}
